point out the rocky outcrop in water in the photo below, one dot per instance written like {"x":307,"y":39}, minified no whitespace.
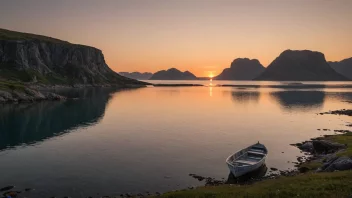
{"x":173,"y":74}
{"x":305,"y":65}
{"x":343,"y":67}
{"x":242,"y":69}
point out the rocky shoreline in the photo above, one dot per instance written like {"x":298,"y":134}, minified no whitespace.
{"x":37,"y":93}
{"x":27,"y":95}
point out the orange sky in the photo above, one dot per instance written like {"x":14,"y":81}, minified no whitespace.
{"x":201,"y":36}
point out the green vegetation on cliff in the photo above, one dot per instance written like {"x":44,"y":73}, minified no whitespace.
{"x":13,"y":35}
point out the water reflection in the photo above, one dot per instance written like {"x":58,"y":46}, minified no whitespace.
{"x":243,"y":96}
{"x":30,"y":123}
{"x":249,"y":177}
{"x":246,"y":96}
{"x":299,"y":100}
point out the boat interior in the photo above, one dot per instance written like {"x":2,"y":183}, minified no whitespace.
{"x":250,"y":156}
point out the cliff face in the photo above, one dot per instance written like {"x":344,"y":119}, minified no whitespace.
{"x":241,"y":69}
{"x":343,"y":67}
{"x":33,"y":58}
{"x":300,"y":66}
{"x":173,"y":74}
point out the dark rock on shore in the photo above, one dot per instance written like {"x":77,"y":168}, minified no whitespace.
{"x":303,"y":169}
{"x":337,"y":163}
{"x":209,"y":181}
{"x":325,"y":147}
{"x":317,"y":146}
{"x":27,"y":95}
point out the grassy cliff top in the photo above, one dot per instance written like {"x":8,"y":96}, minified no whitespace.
{"x":13,"y":35}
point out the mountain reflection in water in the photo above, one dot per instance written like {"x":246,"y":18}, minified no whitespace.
{"x":28,"y":123}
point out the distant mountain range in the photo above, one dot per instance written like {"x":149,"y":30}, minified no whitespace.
{"x":343,"y":67}
{"x":173,"y":74}
{"x":242,"y":69}
{"x":305,"y":65}
{"x":137,"y":75}
{"x":290,"y":65}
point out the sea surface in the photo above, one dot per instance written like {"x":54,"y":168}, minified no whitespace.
{"x":108,"y":142}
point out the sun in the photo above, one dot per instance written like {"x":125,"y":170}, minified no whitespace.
{"x":211,"y":75}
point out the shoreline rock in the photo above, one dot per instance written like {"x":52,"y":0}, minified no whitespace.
{"x":27,"y":96}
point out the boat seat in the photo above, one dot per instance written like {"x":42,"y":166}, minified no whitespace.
{"x":255,"y":158}
{"x":255,"y":153}
{"x":256,"y":150}
{"x":245,"y":162}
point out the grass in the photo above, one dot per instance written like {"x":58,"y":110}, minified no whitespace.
{"x":11,"y":86}
{"x":13,"y":35}
{"x":8,"y":72}
{"x":337,"y":184}
{"x":10,"y":35}
{"x":312,"y":165}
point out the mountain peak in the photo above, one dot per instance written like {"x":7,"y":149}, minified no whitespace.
{"x":300,"y":65}
{"x":173,"y":74}
{"x":241,"y":69}
{"x":343,"y":67}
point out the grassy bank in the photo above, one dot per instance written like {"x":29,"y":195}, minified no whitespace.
{"x":11,"y":86}
{"x":337,"y":184}
{"x":310,"y":184}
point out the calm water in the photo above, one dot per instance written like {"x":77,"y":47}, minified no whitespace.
{"x":150,"y":139}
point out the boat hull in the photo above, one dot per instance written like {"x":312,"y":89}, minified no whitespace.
{"x":239,"y":171}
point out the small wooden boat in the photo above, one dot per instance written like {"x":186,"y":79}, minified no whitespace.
{"x":247,"y":159}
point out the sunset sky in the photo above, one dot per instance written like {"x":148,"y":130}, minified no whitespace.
{"x":201,"y":36}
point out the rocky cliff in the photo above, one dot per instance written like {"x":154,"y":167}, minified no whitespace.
{"x":343,"y":67}
{"x":33,"y":58}
{"x":173,"y":74}
{"x":305,"y":65}
{"x":242,"y":69}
